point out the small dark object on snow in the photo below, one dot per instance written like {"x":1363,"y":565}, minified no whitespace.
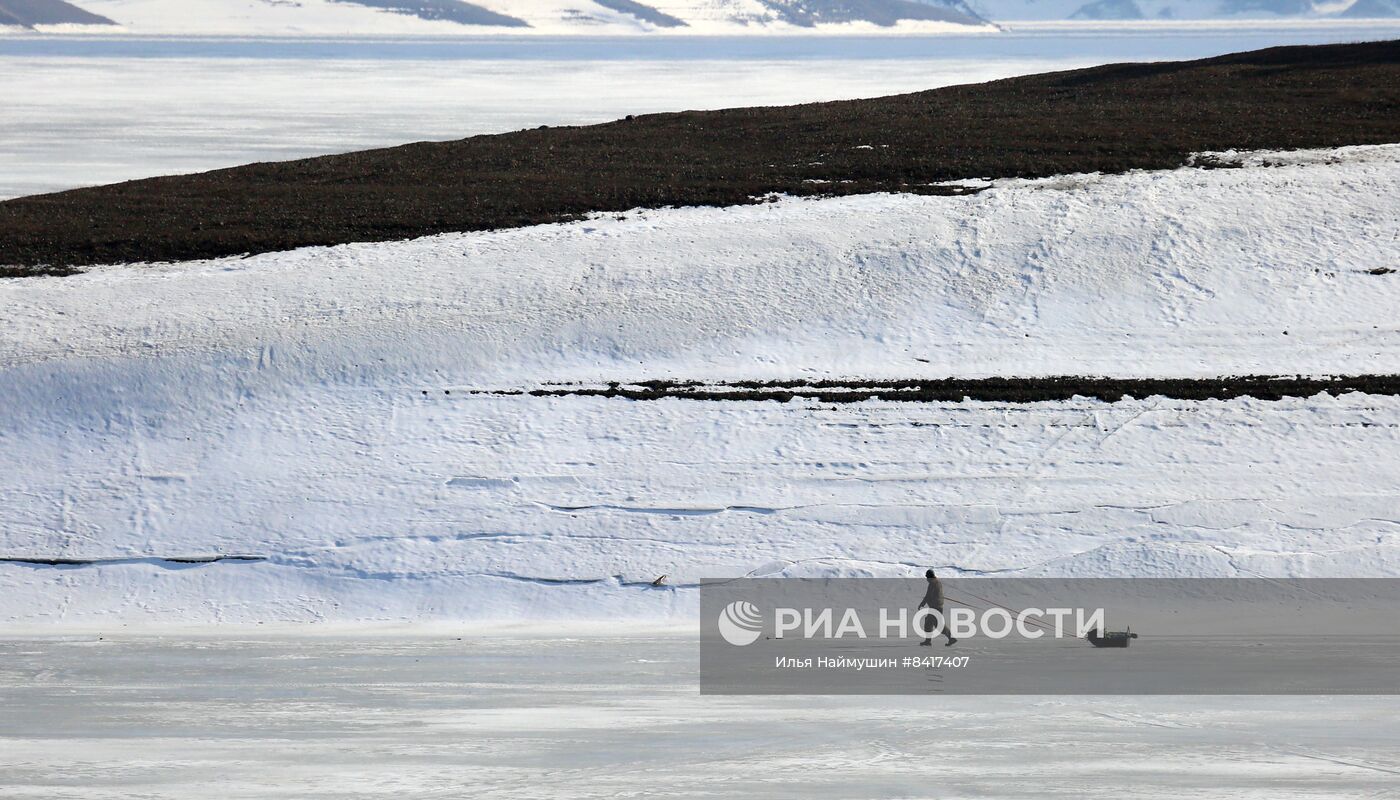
{"x":1111,"y":638}
{"x":661,"y":581}
{"x":1380,"y":271}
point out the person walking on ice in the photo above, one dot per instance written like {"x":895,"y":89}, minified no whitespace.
{"x":933,"y":599}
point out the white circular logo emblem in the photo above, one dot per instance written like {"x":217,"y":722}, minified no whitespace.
{"x":740,"y":623}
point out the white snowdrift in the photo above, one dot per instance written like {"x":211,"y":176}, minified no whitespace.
{"x":1177,"y":273}
{"x":311,"y":407}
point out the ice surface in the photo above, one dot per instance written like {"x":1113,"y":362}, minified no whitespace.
{"x":89,"y":110}
{"x":81,"y":121}
{"x":429,"y":716}
{"x":314,"y":407}
{"x":309,"y":408}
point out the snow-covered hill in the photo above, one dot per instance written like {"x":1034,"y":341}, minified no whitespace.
{"x":1167,"y":10}
{"x":482,"y":17}
{"x":313,"y":410}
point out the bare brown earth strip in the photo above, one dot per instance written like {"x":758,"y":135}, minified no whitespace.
{"x":1107,"y":119}
{"x":1001,"y":390}
{"x":60,"y":561}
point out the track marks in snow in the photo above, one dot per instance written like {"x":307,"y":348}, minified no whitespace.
{"x":667,"y":512}
{"x":1141,"y":720}
{"x":1341,"y":761}
{"x":467,"y":482}
{"x":233,"y":431}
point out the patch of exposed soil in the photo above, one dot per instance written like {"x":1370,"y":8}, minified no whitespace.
{"x":59,"y":561}
{"x":1105,"y":119}
{"x":1000,"y":390}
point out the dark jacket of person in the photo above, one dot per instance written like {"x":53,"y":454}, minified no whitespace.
{"x":933,"y":598}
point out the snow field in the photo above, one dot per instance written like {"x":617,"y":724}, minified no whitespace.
{"x":314,"y":408}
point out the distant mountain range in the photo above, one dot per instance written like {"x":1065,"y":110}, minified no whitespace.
{"x":448,"y":16}
{"x":1008,"y":10}
{"x":328,"y":17}
{"x":32,"y":13}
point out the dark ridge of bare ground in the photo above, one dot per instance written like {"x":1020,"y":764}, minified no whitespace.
{"x":1105,"y":119}
{"x":1000,"y":390}
{"x":59,"y":561}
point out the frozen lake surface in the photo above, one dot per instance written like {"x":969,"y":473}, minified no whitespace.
{"x":524,"y":715}
{"x":91,"y":110}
